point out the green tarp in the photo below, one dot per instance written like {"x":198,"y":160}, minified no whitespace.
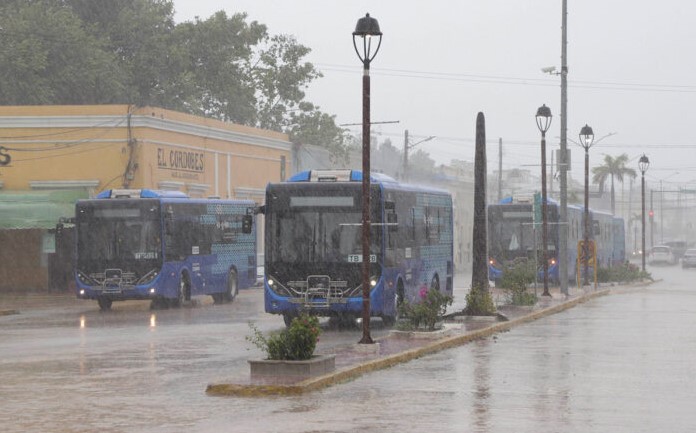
{"x":37,"y":209}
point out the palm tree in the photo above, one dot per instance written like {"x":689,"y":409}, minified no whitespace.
{"x":612,"y":168}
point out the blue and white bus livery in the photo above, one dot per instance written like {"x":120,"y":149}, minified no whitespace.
{"x":162,"y":246}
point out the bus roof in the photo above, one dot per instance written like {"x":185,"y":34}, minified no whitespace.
{"x":341,"y":175}
{"x":140,"y":193}
{"x":355,"y":176}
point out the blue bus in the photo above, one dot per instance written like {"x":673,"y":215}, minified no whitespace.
{"x":313,"y":244}
{"x":512,"y":237}
{"x":162,"y":246}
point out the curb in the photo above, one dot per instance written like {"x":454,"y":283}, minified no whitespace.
{"x":8,"y":312}
{"x":349,"y":373}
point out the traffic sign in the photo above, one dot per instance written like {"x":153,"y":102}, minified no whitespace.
{"x":537,"y":207}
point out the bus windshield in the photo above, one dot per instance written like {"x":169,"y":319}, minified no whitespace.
{"x":316,"y":229}
{"x":511,"y":232}
{"x":319,"y":236}
{"x":513,"y":237}
{"x":119,"y":237}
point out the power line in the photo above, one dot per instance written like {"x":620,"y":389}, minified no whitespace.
{"x":494,"y":79}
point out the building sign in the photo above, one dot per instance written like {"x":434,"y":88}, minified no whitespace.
{"x":5,"y":158}
{"x":184,"y":164}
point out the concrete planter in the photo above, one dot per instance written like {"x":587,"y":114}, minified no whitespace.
{"x":444,"y":330}
{"x":316,"y":366}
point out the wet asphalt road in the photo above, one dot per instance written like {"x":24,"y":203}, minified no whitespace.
{"x":620,"y":363}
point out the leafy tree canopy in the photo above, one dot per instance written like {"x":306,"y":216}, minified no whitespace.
{"x":132,"y":52}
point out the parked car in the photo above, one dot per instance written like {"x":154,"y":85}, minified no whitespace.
{"x":678,"y":248}
{"x":661,"y":254}
{"x":689,"y":259}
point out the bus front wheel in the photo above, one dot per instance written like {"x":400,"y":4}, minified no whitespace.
{"x":390,"y":320}
{"x":104,"y":303}
{"x":182,"y":292}
{"x":287,"y":318}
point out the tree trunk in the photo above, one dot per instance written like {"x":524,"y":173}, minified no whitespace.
{"x":612,"y":195}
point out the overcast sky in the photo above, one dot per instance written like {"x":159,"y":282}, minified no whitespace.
{"x":632,"y":72}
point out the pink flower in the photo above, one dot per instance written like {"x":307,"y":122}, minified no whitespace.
{"x":423,"y":292}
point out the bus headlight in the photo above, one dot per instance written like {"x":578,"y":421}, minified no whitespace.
{"x":277,"y":288}
{"x":85,"y":279}
{"x":357,"y":291}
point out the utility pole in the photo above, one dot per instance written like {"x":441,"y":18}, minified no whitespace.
{"x":652,"y":220}
{"x":563,"y":162}
{"x":405,"y":169}
{"x":407,"y":147}
{"x":553,"y":152}
{"x":500,"y":169}
{"x":630,"y":216}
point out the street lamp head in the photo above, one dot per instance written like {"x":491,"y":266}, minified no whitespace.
{"x":367,"y":28}
{"x":543,"y":118}
{"x":643,"y":164}
{"x":586,"y":136}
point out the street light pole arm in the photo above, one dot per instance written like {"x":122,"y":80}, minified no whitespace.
{"x":603,"y":137}
{"x":593,"y":143}
{"x":412,"y":145}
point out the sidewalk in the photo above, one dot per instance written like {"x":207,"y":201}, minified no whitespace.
{"x":13,"y":303}
{"x":398,"y":347}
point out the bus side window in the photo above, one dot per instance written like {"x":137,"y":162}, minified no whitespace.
{"x":392,"y":222}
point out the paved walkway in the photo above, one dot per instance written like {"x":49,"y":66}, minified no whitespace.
{"x":357,"y":359}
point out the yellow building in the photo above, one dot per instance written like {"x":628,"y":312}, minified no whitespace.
{"x":52,"y":155}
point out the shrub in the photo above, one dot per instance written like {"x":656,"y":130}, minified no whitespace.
{"x":625,"y":273}
{"x":516,"y":279}
{"x":519,"y":275}
{"x":479,"y":302}
{"x":294,"y":343}
{"x":428,"y":311}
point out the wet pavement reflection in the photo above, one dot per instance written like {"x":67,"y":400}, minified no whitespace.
{"x":619,"y":363}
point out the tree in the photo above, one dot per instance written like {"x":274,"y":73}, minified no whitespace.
{"x":47,"y":57}
{"x":612,"y":168}
{"x":132,"y":52}
{"x":311,"y":126}
{"x":420,"y":161}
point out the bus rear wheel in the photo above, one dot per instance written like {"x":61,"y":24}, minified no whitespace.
{"x":232,"y":287}
{"x":435,"y":283}
{"x":104,"y":303}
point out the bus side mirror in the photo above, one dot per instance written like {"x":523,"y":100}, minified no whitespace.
{"x":247,"y":222}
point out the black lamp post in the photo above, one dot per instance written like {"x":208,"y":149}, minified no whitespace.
{"x":543,"y":119}
{"x":643,"y":164}
{"x":586,"y":140}
{"x":365,"y":30}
